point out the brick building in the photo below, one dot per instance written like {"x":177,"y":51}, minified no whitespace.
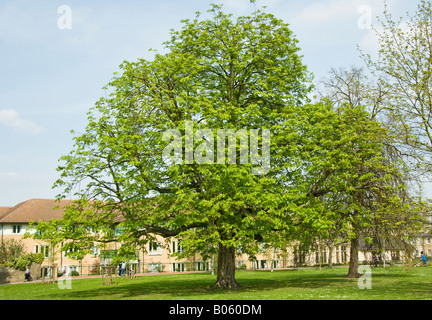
{"x":157,"y":256}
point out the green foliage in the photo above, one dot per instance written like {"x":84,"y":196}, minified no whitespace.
{"x":396,"y":213}
{"x":10,"y":249}
{"x":26,"y":260}
{"x":328,"y":170}
{"x":222,"y":74}
{"x":13,"y":256}
{"x":403,"y":68}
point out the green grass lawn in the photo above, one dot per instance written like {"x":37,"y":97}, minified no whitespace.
{"x":304,"y":284}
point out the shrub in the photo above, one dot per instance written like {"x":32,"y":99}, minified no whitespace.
{"x":9,"y":250}
{"x":242,"y":267}
{"x":95,"y":269}
{"x":26,"y":260}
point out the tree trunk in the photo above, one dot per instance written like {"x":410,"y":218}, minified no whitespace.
{"x":226,"y":268}
{"x":330,"y":257}
{"x":273,"y":259}
{"x":353,"y":264}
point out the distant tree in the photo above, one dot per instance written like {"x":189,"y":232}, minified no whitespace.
{"x":10,"y":249}
{"x":389,"y":197}
{"x":403,"y":68}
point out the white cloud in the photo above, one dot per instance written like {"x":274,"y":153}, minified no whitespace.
{"x":11,"y":118}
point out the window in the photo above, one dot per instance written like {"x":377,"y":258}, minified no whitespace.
{"x":66,"y":252}
{"x":73,"y":270}
{"x":321,"y":257}
{"x":46,"y":251}
{"x":178,"y":267}
{"x":255,"y":264}
{"x":42,"y":249}
{"x":395,"y":255}
{"x":155,"y":267}
{"x":16,"y":229}
{"x":344,"y":255}
{"x":155,"y":248}
{"x":428,"y":240}
{"x":118,"y":231}
{"x":176,"y":247}
{"x":202,"y":266}
{"x":338,"y":254}
{"x":94,"y":251}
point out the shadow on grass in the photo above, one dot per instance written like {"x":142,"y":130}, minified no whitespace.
{"x":145,"y":287}
{"x":199,"y":286}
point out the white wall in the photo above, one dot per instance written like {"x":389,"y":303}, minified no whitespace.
{"x":8,"y":229}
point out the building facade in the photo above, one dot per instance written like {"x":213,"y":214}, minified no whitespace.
{"x":157,"y":256}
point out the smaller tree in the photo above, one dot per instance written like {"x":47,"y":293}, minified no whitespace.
{"x":10,"y":249}
{"x":403,"y":67}
{"x":383,"y":194}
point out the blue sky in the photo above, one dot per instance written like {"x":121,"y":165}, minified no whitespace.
{"x":51,"y":76}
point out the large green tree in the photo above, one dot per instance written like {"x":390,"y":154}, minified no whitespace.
{"x":218,"y":74}
{"x":244,"y":75}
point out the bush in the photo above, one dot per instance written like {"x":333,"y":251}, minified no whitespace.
{"x":242,"y":267}
{"x":74,"y":273}
{"x":95,"y":269}
{"x":9,"y":250}
{"x":21,"y":263}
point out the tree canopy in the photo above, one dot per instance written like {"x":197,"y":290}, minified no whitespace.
{"x":403,"y":68}
{"x":322,"y":163}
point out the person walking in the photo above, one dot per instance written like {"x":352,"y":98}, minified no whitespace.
{"x":27,"y":274}
{"x":423,"y":257}
{"x":123,"y":269}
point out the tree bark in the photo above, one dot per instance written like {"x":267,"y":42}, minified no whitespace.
{"x":353,"y":264}
{"x":226,"y":268}
{"x":330,"y":257}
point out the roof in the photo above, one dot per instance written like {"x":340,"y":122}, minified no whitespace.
{"x":38,"y":210}
{"x":33,"y":210}
{"x":3,"y":211}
